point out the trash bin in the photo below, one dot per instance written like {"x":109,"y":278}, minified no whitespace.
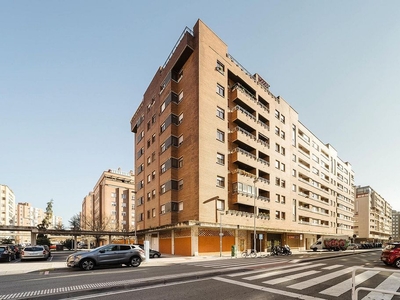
{"x":233,"y":250}
{"x":59,"y":247}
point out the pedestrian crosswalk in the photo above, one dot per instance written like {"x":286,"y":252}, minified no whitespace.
{"x":230,"y":263}
{"x":320,"y":280}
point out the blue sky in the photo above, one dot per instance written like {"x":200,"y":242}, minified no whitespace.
{"x":72,"y":74}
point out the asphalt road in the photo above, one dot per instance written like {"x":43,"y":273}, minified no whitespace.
{"x":199,"y":279}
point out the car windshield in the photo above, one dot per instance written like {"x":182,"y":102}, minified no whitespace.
{"x":33,"y":249}
{"x":390,"y":247}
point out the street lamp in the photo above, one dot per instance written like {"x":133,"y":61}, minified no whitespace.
{"x":255,"y":195}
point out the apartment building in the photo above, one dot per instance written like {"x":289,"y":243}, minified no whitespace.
{"x":110,"y":206}
{"x":373,"y":216}
{"x":395,"y":225}
{"x":7,"y":210}
{"x":221,"y":161}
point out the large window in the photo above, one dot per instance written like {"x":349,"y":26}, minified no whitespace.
{"x":220,"y":158}
{"x":220,"y":181}
{"x":220,"y":90}
{"x":220,"y":135}
{"x":220,"y":113}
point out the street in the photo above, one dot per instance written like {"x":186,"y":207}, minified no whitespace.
{"x":259,"y":278}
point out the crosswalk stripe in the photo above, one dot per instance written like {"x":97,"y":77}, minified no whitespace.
{"x":263,"y":270}
{"x":211,"y":264}
{"x":315,"y":281}
{"x":332,"y":267}
{"x":345,"y":285}
{"x":290,"y":277}
{"x":267,"y":290}
{"x":391,"y":284}
{"x":269,"y":274}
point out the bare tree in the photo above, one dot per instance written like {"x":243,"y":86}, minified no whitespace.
{"x":97,"y":225}
{"x":75,"y":222}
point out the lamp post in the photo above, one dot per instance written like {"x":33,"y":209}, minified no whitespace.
{"x":255,"y":195}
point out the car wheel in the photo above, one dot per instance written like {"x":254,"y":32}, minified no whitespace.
{"x":135,"y":261}
{"x":397,"y":263}
{"x":87,"y":264}
{"x":157,"y":255}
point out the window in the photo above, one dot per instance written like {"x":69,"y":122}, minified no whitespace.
{"x":153,"y":192}
{"x":277,"y":130}
{"x":163,"y":189}
{"x":180,"y":162}
{"x":148,"y":125}
{"x":153,"y":138}
{"x":283,"y":199}
{"x":153,"y":175}
{"x":294,"y":188}
{"x":283,"y":183}
{"x":148,"y":178}
{"x":148,"y":160}
{"x":163,"y":127}
{"x":220,"y":135}
{"x":283,"y":167}
{"x":153,"y":212}
{"x":153,"y":119}
{"x":220,"y":159}
{"x":148,"y":196}
{"x":180,"y":96}
{"x":283,"y":151}
{"x":294,"y":173}
{"x":148,"y":214}
{"x":277,"y":114}
{"x":277,"y":164}
{"x":180,"y":140}
{"x":113,"y":195}
{"x":180,"y":118}
{"x":282,"y":134}
{"x":220,"y":181}
{"x":283,"y":119}
{"x":162,"y":108}
{"x":277,"y":181}
{"x":140,"y":137}
{"x":153,"y":156}
{"x":141,"y":217}
{"x":220,"y":67}
{"x":220,"y":90}
{"x":278,"y":198}
{"x":113,"y":203}
{"x":140,"y":168}
{"x":294,"y":157}
{"x":277,"y":147}
{"x":180,"y":206}
{"x":180,"y":184}
{"x":220,"y":204}
{"x":162,"y":209}
{"x":148,"y":143}
{"x":220,"y":113}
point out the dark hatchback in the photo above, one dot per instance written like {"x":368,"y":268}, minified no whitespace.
{"x":6,"y":253}
{"x":391,"y":255}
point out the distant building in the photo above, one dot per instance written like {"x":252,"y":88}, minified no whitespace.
{"x":373,"y":216}
{"x":216,"y":150}
{"x":395,"y":225}
{"x":7,"y":210}
{"x":110,"y":206}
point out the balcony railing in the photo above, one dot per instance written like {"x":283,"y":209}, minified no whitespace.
{"x":244,"y":152}
{"x":248,"y":134}
{"x":245,"y":112}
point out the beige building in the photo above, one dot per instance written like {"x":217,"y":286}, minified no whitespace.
{"x":373,"y":216}
{"x":221,"y":161}
{"x":110,"y":206}
{"x":395,"y":225}
{"x":7,"y":211}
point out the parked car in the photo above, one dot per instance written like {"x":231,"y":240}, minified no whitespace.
{"x":152,"y":253}
{"x":352,"y":246}
{"x":391,"y":255}
{"x":47,"y":249}
{"x":6,"y":253}
{"x":112,"y":254}
{"x":35,"y":252}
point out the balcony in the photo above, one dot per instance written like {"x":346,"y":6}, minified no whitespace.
{"x":239,"y":92}
{"x":240,"y":113}
{"x":240,"y":155}
{"x":239,"y":134}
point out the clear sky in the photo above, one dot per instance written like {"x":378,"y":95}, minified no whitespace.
{"x":72,"y":73}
